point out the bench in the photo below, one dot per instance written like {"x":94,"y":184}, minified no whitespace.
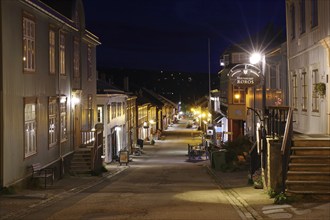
{"x":44,"y":173}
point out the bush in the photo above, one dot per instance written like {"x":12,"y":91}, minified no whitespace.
{"x":7,"y":190}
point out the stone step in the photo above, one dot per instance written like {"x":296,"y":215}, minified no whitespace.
{"x":308,"y":175}
{"x":309,"y":167}
{"x":313,"y":143}
{"x":308,"y":185}
{"x":310,"y":159}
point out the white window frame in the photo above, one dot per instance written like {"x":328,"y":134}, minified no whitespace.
{"x":29,"y":42}
{"x":315,"y":95}
{"x":304,"y":91}
{"x":30,"y":127}
{"x":52,"y":121}
{"x":63,"y":118}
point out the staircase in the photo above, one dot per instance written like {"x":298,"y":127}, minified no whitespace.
{"x":81,"y":162}
{"x":309,"y":168}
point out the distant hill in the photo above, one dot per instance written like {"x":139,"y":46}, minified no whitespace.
{"x":176,"y":86}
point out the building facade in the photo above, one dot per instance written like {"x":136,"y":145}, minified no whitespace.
{"x":48,"y":85}
{"x":308,"y":42}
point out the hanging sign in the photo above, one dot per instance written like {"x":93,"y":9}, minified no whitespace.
{"x":245,"y":75}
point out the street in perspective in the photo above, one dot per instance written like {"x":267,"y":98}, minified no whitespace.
{"x":160,"y":183}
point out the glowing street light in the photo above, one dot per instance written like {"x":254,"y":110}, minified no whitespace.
{"x":255,"y":58}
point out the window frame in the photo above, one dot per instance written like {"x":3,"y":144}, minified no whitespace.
{"x":63,"y":118}
{"x":304,"y":92}
{"x":28,"y":43}
{"x":315,"y":95}
{"x":52,"y":120}
{"x":302,"y":5}
{"x":62,"y":46}
{"x":30,"y":137}
{"x":294,"y":91}
{"x":76,"y":59}
{"x":89,"y":62}
{"x":52,"y":51}
{"x":314,"y":14}
{"x":293,"y":21}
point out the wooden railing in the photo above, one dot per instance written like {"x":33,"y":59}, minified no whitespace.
{"x":286,"y":147}
{"x":94,"y":139}
{"x":88,"y":137}
{"x":276,"y":120}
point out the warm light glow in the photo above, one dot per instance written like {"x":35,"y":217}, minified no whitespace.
{"x":237,"y":96}
{"x":75,"y":100}
{"x":117,"y":128}
{"x":255,"y":58}
{"x":152,"y":121}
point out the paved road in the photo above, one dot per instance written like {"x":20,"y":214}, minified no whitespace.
{"x":160,"y":184}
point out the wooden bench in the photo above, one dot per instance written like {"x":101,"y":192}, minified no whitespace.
{"x":39,"y":172}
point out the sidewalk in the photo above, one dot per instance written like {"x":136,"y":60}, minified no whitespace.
{"x":257,"y":201}
{"x":25,"y":200}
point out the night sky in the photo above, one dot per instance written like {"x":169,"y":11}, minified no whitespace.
{"x":172,"y":35}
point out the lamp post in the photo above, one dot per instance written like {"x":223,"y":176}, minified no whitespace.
{"x":259,"y":59}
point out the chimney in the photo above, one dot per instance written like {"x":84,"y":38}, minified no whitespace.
{"x":126,"y":83}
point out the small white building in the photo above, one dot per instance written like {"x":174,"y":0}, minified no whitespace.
{"x":111,"y":111}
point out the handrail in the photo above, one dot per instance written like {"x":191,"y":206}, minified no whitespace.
{"x":286,"y":131}
{"x":286,"y":147}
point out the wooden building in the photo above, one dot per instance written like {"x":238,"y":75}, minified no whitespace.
{"x":47,"y":83}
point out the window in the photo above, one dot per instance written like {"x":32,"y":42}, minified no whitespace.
{"x":63,"y":118}
{"x":28,"y":44}
{"x":109,"y":113}
{"x":76,"y":59}
{"x":51,"y":51}
{"x":238,"y":95}
{"x":293,"y":22}
{"x":113,"y":110}
{"x":302,"y":17}
{"x":119,"y":109}
{"x":314,"y":13}
{"x":304,"y":86}
{"x":90,"y":111}
{"x":315,"y":96}
{"x":99,"y":114}
{"x":240,"y":58}
{"x":273,"y":76}
{"x":294,"y":92}
{"x":30,"y":124}
{"x":52,"y":118}
{"x":62,"y":54}
{"x":89,"y":63}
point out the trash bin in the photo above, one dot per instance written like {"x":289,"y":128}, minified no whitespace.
{"x":218,"y":159}
{"x":140,"y":143}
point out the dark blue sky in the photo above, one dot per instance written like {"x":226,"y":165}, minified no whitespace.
{"x":172,"y":35}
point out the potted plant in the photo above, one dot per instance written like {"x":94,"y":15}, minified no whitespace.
{"x":320,"y":89}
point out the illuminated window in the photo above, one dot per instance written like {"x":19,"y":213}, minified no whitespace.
{"x":99,"y":114}
{"x":62,"y":54}
{"x":238,"y":95}
{"x":30,"y":124}
{"x":51,"y":51}
{"x":63,"y":118}
{"x":315,"y":95}
{"x":113,"y":110}
{"x":28,"y":44}
{"x":52,"y":119}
